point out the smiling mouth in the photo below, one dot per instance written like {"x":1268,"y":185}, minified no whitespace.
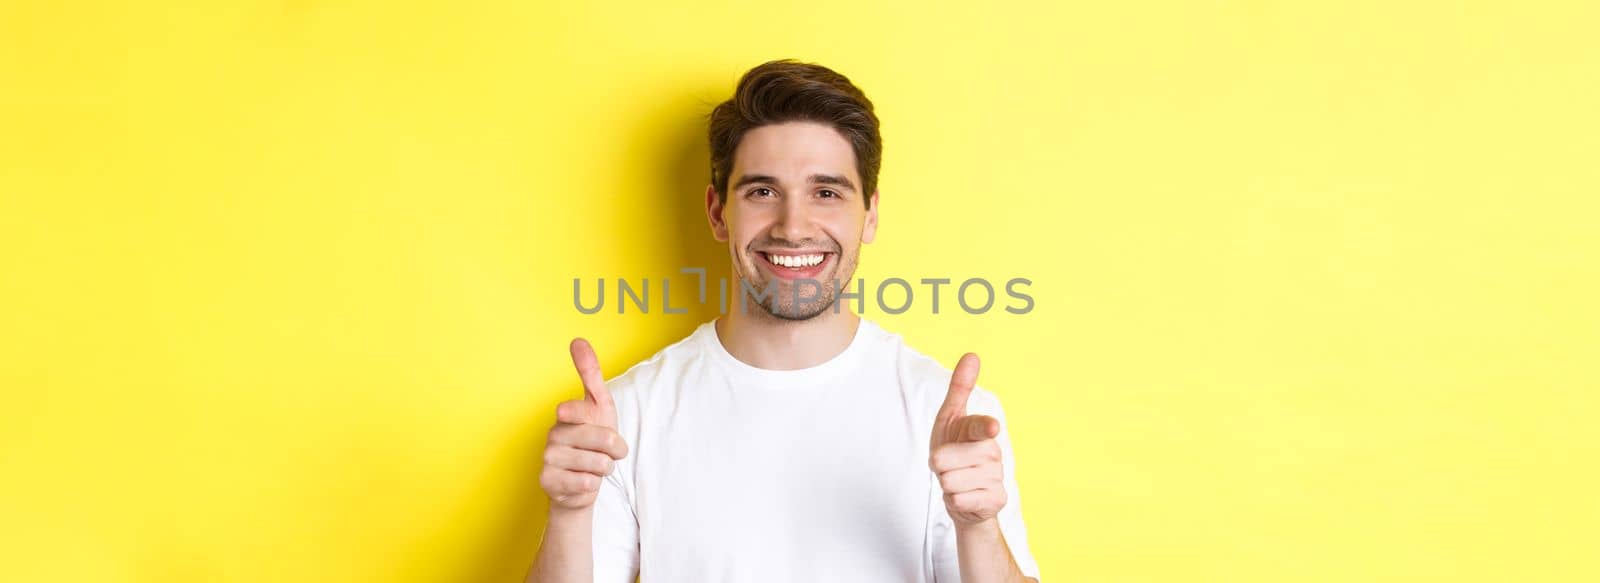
{"x":795,"y":265}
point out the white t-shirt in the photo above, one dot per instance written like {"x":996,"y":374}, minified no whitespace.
{"x":737,"y":473}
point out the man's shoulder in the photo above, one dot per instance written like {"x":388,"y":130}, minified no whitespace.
{"x":911,"y":362}
{"x":933,"y":377}
{"x":665,"y":364}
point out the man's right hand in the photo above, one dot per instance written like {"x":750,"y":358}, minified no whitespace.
{"x":584,"y":445}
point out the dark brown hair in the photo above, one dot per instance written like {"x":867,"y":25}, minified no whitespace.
{"x":788,"y":90}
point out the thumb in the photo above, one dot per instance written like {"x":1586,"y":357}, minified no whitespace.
{"x":594,"y":385}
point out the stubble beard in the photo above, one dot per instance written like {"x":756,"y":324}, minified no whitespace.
{"x":781,"y":304}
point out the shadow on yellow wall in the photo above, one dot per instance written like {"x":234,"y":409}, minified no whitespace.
{"x":681,"y":161}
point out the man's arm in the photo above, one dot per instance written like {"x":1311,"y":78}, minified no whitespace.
{"x":967,"y":458}
{"x":581,"y":450}
{"x":984,"y":556}
{"x":566,"y":553}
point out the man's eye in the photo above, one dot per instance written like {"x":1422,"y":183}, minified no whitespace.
{"x":762,"y":192}
{"x":828,"y":194}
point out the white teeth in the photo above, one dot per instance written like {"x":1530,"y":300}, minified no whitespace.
{"x":795,"y":260}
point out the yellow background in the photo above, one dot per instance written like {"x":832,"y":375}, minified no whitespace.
{"x":285,"y":287}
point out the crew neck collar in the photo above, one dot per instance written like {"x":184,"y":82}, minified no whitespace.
{"x":844,"y":361}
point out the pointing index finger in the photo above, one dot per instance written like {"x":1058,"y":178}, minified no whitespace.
{"x":975,"y":428}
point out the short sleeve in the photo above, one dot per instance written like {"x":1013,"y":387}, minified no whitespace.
{"x":616,"y":522}
{"x":947,"y":567}
{"x":615,"y":533}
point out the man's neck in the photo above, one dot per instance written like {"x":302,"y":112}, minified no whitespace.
{"x":765,"y":341}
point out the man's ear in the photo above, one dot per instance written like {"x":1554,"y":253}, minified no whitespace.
{"x":870,"y":230}
{"x":719,"y":227}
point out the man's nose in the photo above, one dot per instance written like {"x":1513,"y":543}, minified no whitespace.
{"x":794,"y":221}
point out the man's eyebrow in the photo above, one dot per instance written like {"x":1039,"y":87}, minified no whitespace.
{"x":834,"y":180}
{"x":828,"y":179}
{"x":754,"y":178}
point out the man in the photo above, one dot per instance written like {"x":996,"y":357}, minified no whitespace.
{"x":789,"y":440}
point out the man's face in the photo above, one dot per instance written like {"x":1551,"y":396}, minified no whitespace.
{"x":794,"y":211}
